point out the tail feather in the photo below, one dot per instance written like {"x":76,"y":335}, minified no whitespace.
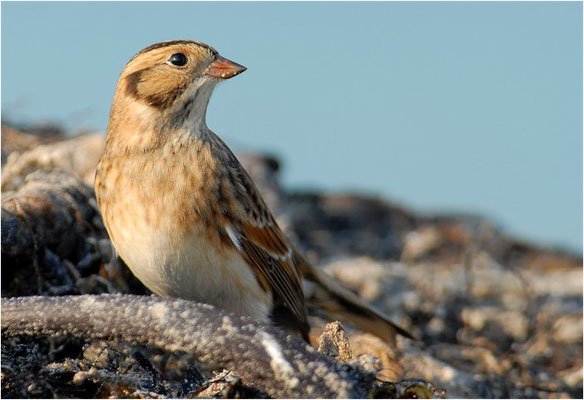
{"x":345,"y":305}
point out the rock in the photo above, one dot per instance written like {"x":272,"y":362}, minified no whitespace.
{"x":14,"y":140}
{"x":366,"y":344}
{"x":568,"y":329}
{"x":420,"y":242}
{"x":334,"y":342}
{"x":78,"y":156}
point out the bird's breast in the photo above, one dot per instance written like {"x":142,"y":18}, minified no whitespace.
{"x":161,"y":214}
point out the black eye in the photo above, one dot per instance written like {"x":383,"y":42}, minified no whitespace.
{"x":178,"y":59}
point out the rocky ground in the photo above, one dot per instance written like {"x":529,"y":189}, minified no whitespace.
{"x":496,"y":318}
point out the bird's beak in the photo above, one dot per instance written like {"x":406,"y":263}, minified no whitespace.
{"x":223,"y":68}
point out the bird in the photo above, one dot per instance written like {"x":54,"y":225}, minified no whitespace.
{"x":185,"y":216}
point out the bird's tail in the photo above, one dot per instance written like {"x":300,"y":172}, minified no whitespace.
{"x":330,"y":296}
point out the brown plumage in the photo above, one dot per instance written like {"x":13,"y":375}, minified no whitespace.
{"x":183,"y":213}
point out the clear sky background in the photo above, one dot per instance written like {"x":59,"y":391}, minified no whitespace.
{"x":442,"y":107}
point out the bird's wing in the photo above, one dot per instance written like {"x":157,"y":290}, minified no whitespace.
{"x":254,"y":232}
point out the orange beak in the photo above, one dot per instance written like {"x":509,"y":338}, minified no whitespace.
{"x":223,"y":68}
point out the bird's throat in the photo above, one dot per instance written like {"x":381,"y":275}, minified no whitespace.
{"x":190,"y":111}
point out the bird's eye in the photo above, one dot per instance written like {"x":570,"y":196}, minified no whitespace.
{"x":178,"y":59}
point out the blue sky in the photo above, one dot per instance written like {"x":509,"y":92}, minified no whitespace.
{"x":442,"y":107}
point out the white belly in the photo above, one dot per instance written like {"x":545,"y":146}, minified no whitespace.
{"x":193,"y":268}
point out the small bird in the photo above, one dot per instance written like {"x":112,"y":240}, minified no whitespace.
{"x":183,"y":213}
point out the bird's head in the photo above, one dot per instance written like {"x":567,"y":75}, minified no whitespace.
{"x":174,"y":79}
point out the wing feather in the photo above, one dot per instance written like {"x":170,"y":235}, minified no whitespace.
{"x":256,"y":235}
